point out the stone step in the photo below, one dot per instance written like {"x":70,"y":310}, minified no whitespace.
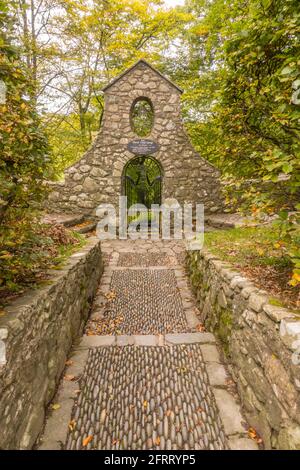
{"x":68,"y":220}
{"x":86,"y":228}
{"x":95,"y":341}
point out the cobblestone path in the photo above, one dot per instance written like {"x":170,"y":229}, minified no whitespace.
{"x":145,"y":375}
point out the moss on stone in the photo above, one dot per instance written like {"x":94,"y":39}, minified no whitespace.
{"x":275,"y":302}
{"x":196,"y":278}
{"x":224,"y":329}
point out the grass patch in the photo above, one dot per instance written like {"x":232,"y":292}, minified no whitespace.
{"x":256,"y":252}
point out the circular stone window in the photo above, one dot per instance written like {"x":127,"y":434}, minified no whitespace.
{"x":142,"y":117}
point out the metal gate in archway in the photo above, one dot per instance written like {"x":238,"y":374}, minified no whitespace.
{"x":142,"y":181}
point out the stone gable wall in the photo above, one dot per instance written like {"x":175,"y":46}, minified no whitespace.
{"x":36,"y":335}
{"x":261,"y":342}
{"x":96,"y":178}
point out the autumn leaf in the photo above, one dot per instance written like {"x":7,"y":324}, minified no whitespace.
{"x":72,"y":425}
{"x":69,"y":378}
{"x":157,"y":441}
{"x":145,"y":403}
{"x":90,"y":333}
{"x":87,"y":440}
{"x":295,"y":279}
{"x":55,"y":406}
{"x":69,"y":362}
{"x":253,"y":435}
{"x":110,"y":295}
{"x":200,"y":327}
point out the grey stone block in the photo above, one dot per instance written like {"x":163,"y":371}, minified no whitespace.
{"x":277,"y":313}
{"x":95,"y":341}
{"x":191,"y":318}
{"x":257,"y":301}
{"x":188,"y":338}
{"x":242,"y":443}
{"x":216,"y":374}
{"x":210,"y":353}
{"x":229,"y":412}
{"x":145,"y":340}
{"x":124,"y":340}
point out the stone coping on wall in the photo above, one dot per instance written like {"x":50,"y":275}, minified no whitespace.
{"x":36,"y":334}
{"x":261,"y":342}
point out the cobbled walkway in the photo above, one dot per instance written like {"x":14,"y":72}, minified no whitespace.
{"x":145,"y":375}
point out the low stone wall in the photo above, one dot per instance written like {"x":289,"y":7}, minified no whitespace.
{"x":261,"y":343}
{"x":36,"y":334}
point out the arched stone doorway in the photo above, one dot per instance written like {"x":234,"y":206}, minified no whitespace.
{"x":142,"y":181}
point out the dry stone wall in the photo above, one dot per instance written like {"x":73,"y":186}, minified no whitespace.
{"x":36,"y":335}
{"x":261,"y":342}
{"x":96,"y":178}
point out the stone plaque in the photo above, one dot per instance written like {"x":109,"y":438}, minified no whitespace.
{"x":142,"y":147}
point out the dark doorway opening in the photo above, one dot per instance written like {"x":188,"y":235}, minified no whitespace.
{"x":142,"y":181}
{"x":142,"y":184}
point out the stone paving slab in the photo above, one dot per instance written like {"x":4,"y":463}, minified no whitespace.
{"x":230,"y":414}
{"x":142,"y":301}
{"x":146,"y":398}
{"x":186,"y":338}
{"x":95,"y":341}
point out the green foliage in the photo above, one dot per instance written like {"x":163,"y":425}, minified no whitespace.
{"x":23,"y":148}
{"x":242,"y":70}
{"x":289,"y":225}
{"x":142,"y":117}
{"x":142,"y":180}
{"x":65,"y":139}
{"x":242,"y":109}
{"x":24,"y":163}
{"x":260,"y":122}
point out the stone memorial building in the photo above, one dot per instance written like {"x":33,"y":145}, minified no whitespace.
{"x":142,"y":151}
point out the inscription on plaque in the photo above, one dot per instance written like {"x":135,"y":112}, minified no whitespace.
{"x":142,"y":146}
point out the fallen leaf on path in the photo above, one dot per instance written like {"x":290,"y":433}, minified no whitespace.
{"x":69,"y":377}
{"x":200,"y":327}
{"x":253,"y":435}
{"x":90,"y":333}
{"x":110,"y":295}
{"x":87,"y":440}
{"x":157,"y":441}
{"x":55,"y":406}
{"x":72,"y":425}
